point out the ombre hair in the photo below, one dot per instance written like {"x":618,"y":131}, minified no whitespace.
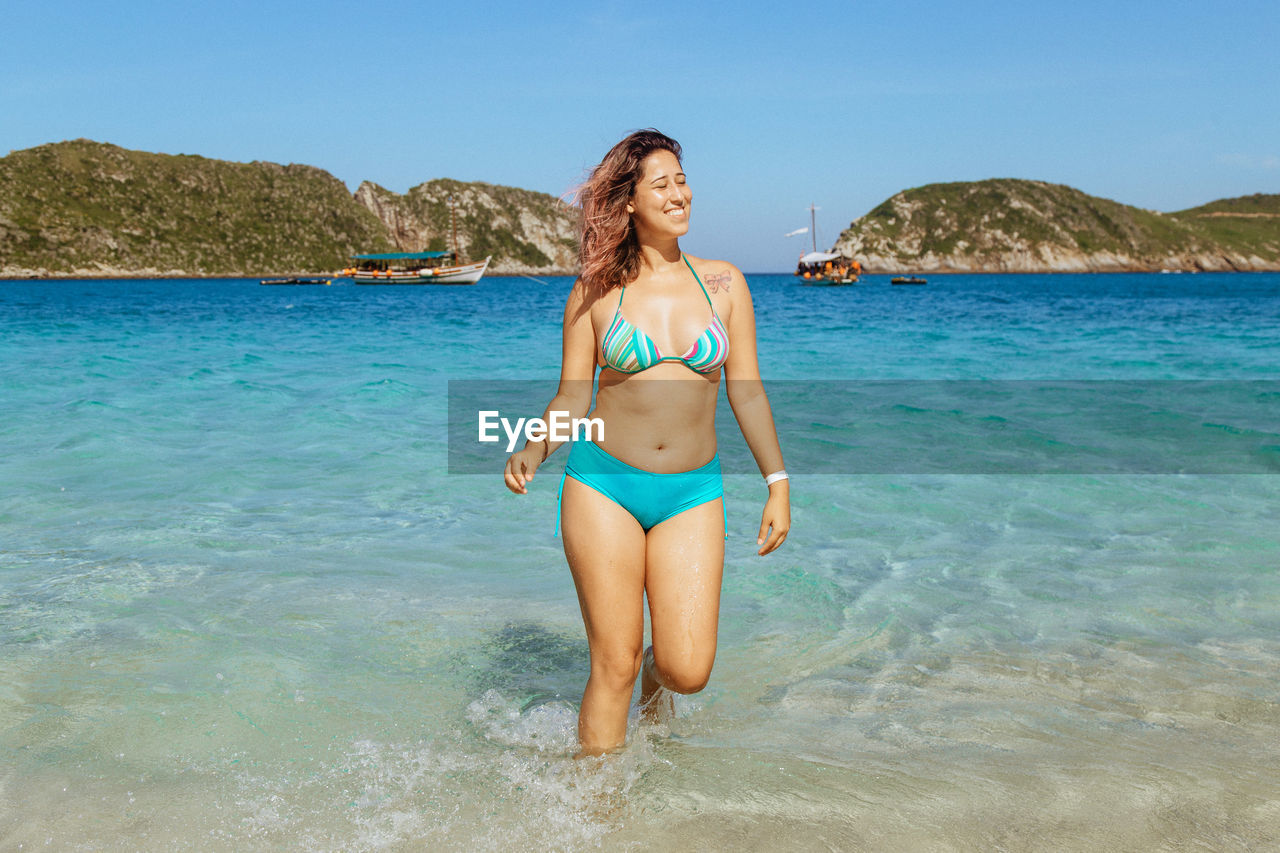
{"x":608,"y":251}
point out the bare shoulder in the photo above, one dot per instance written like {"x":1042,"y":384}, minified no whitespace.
{"x":580,"y":301}
{"x":719,"y":276}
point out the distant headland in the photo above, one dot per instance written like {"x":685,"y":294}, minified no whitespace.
{"x":1008,"y":225}
{"x":84,"y":208}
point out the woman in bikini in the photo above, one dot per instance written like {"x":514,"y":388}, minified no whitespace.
{"x":642,"y":509}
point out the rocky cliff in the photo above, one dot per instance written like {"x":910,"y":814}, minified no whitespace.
{"x":1007,"y":225}
{"x":523,"y":231}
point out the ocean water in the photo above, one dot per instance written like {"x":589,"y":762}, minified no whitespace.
{"x":245,"y":604}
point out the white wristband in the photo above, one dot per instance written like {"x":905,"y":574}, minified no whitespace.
{"x":775,"y":477}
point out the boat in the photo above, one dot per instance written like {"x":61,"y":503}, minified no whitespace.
{"x":828,"y":268}
{"x":825,"y":268}
{"x":296,"y":280}
{"x":414,"y":268}
{"x":418,"y":267}
{"x":902,"y":279}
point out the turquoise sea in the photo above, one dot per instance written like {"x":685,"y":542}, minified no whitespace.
{"x":245,"y":605}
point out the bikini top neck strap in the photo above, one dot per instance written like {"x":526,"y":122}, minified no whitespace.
{"x":699,"y":281}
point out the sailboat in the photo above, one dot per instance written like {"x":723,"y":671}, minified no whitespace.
{"x":825,"y":268}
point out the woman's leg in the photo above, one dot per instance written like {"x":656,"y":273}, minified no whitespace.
{"x":605,"y":547}
{"x":684,"y":566}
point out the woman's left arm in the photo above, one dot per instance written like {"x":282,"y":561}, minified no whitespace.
{"x":751,"y":408}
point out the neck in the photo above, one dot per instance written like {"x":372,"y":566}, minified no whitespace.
{"x":660,"y":255}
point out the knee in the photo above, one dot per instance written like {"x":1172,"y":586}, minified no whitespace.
{"x":684,"y":676}
{"x":616,"y":669}
{"x":688,"y":682}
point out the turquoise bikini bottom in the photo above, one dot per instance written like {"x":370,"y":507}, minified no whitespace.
{"x":650,"y":498}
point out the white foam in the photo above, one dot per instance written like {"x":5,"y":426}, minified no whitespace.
{"x":549,"y":727}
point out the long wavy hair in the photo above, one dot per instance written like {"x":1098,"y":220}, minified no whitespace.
{"x":608,"y":251}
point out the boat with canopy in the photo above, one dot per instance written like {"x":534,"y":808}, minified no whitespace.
{"x":414,"y":268}
{"x":828,"y":268}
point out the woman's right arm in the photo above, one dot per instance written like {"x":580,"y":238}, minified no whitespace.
{"x":577,"y":371}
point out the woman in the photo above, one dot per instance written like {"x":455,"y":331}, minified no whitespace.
{"x":642,"y":508}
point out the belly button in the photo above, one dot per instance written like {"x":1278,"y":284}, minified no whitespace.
{"x":661,"y":446}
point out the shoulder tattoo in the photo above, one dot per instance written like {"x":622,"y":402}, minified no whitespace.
{"x":718,"y":281}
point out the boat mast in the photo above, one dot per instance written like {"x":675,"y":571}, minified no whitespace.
{"x":813,"y":225}
{"x":453,"y":217}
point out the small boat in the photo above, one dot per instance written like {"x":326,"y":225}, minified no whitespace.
{"x":414,"y":268}
{"x":902,"y":279}
{"x":296,"y":281}
{"x":828,"y":268}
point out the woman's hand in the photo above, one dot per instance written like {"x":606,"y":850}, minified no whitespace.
{"x":775,"y":521}
{"x":521,"y":466}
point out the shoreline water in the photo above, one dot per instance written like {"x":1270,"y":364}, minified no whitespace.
{"x":244,"y":604}
{"x":179,"y":276}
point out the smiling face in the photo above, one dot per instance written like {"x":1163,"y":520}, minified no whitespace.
{"x":659,"y":207}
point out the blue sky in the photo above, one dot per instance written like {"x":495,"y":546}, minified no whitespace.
{"x":1163,"y":105}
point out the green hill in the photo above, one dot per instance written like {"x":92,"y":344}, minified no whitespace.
{"x":1011,"y":225}
{"x":91,"y":208}
{"x":1246,"y":225}
{"x":1246,"y":205}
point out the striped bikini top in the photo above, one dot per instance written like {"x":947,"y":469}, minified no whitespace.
{"x":627,"y":349}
